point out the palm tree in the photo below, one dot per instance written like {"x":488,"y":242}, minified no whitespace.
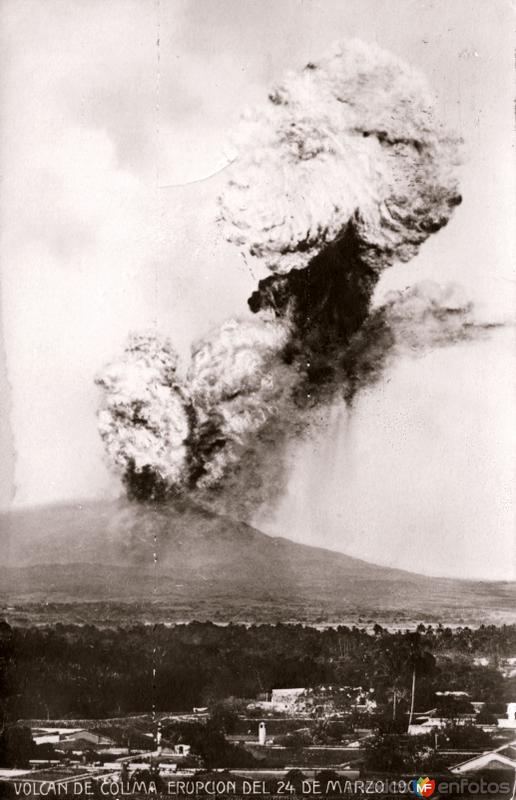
{"x":419,"y":661}
{"x":391,"y":671}
{"x":398,"y":667}
{"x":398,"y":693}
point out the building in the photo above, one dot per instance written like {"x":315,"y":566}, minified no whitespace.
{"x":65,"y":738}
{"x":507,"y":667}
{"x":83,"y":741}
{"x":181,"y":749}
{"x":426,"y":722}
{"x":288,"y":700}
{"x":510,"y":721}
{"x":502,"y":759}
{"x":321,"y":700}
{"x":52,"y":735}
{"x":429,"y":721}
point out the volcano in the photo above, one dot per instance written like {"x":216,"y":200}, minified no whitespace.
{"x":108,"y":562}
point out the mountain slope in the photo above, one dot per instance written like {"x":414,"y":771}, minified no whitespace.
{"x":102,"y":561}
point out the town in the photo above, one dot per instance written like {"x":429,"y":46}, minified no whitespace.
{"x":425,"y":709}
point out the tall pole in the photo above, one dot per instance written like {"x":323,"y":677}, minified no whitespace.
{"x":413,"y":696}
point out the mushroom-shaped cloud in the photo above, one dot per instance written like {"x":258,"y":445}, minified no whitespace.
{"x":351,"y":140}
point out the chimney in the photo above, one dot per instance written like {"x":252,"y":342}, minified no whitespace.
{"x":261,"y":733}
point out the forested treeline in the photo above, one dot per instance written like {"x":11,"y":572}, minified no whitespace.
{"x":83,"y":671}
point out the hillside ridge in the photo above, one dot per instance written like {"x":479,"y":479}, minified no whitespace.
{"x":170,"y":562}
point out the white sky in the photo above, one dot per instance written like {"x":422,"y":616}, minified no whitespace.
{"x":101,"y":129}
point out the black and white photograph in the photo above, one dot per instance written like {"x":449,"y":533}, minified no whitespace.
{"x":257,"y":399}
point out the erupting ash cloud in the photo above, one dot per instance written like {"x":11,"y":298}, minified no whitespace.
{"x":145,"y":421}
{"x":342,"y":173}
{"x":347,"y":153}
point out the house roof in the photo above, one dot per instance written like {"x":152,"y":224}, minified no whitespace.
{"x":76,"y":744}
{"x":502,"y":756}
{"x":40,"y":730}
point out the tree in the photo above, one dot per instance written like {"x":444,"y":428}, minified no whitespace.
{"x":325,"y":776}
{"x":400,"y":660}
{"x":16,"y":746}
{"x":223,"y":716}
{"x":419,"y":661}
{"x":401,"y":754}
{"x":295,"y":778}
{"x":467,"y":736}
{"x":451,"y":707}
{"x":384,"y":752}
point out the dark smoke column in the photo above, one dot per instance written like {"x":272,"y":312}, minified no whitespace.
{"x":342,"y":173}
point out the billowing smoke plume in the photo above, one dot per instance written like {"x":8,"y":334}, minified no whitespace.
{"x":429,"y":315}
{"x":167,"y":436}
{"x":146,"y":419}
{"x":346,"y":153}
{"x":342,"y":173}
{"x":409,"y":323}
{"x":234,"y":404}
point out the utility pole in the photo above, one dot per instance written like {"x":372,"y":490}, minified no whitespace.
{"x":413,"y":695}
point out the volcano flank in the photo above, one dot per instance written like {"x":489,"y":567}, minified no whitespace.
{"x":113,"y":562}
